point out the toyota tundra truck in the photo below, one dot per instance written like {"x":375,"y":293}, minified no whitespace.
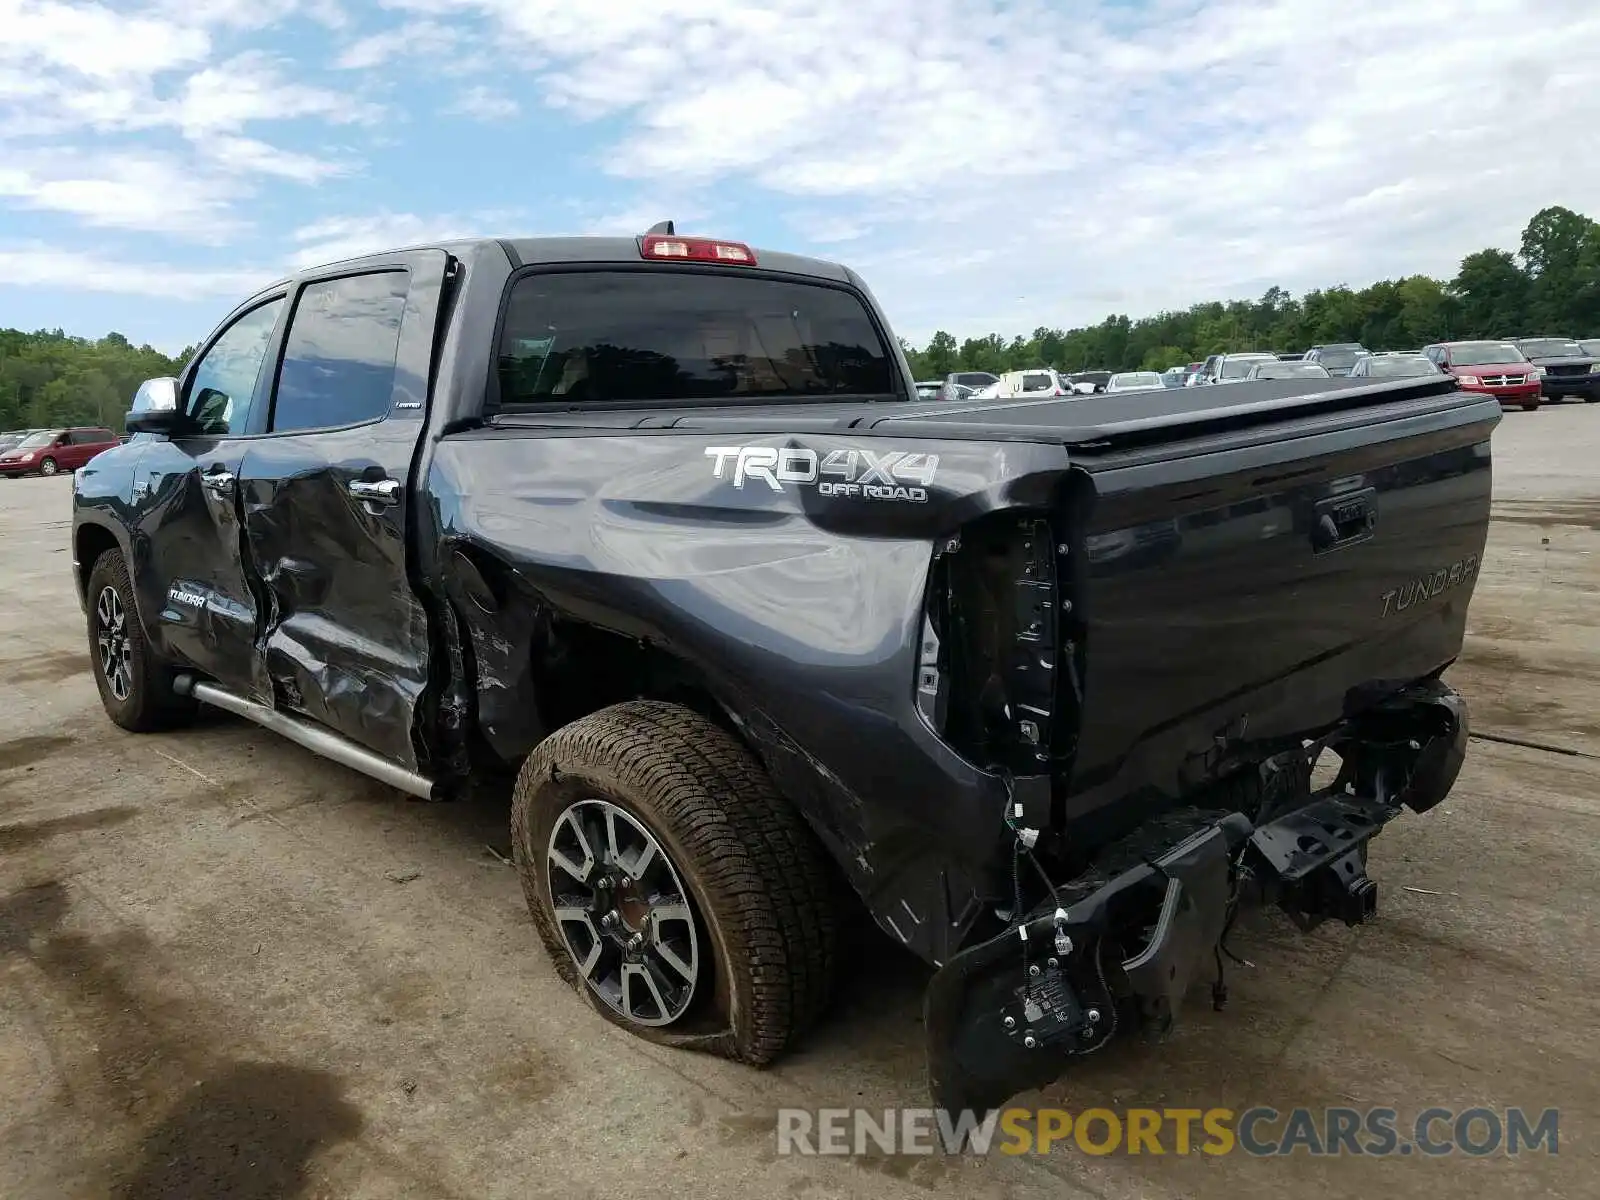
{"x":775,"y":648}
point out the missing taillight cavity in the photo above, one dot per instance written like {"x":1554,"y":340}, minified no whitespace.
{"x":681,"y":249}
{"x":992,"y":643}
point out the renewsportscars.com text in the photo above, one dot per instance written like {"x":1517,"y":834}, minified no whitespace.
{"x":1259,"y":1131}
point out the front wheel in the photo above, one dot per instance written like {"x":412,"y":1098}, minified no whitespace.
{"x":48,"y":467}
{"x":671,"y":884}
{"x":135,"y":686}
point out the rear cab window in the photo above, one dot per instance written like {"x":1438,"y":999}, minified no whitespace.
{"x":649,"y":335}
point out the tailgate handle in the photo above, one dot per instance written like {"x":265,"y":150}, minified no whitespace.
{"x":1344,"y":520}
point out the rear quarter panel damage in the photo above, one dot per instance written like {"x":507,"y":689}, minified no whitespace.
{"x":800,"y":612}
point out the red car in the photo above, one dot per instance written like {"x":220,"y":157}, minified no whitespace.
{"x":1498,"y":368}
{"x":51,"y":451}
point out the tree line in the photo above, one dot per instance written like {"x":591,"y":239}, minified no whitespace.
{"x":1550,"y":286}
{"x":48,"y":378}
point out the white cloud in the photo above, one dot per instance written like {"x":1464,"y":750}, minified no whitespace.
{"x":989,"y":164}
{"x":39,"y":265}
{"x":253,"y":87}
{"x":249,"y":156}
{"x":484,"y":104}
{"x":92,"y":40}
{"x":333,"y":239}
{"x":122,"y":191}
{"x":414,"y":37}
{"x":1085,"y":157}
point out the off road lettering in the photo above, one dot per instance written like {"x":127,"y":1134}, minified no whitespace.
{"x":851,"y":472}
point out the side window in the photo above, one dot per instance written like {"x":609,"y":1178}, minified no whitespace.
{"x":225,"y":377}
{"x":339,"y":357}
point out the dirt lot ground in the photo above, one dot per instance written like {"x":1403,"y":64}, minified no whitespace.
{"x":230,"y":969}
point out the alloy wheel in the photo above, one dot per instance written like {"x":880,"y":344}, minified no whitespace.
{"x":111,"y":640}
{"x":623,"y":912}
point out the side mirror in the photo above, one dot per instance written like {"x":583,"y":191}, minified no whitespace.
{"x":155,"y":407}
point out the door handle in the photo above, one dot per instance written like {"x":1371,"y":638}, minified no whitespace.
{"x":221,"y":482}
{"x":380,"y":491}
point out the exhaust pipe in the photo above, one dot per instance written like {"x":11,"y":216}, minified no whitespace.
{"x":314,"y":738}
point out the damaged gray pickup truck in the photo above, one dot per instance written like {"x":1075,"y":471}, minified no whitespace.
{"x":658,"y":523}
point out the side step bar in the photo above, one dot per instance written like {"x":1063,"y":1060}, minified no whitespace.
{"x":313,"y":737}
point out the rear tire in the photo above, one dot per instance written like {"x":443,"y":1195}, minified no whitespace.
{"x":761,"y":896}
{"x":135,"y":686}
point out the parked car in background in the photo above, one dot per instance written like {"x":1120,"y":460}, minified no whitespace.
{"x":1393,"y":364}
{"x":1173,"y":377}
{"x":1338,"y":357}
{"x":1568,"y":369}
{"x":13,"y":437}
{"x":1085,"y":383}
{"x":1498,"y":368}
{"x":1034,"y":382}
{"x":51,"y":451}
{"x":1135,"y":381}
{"x":1235,"y":368}
{"x":1298,"y":357}
{"x":929,"y":389}
{"x":968,"y":379}
{"x":1282,"y":368}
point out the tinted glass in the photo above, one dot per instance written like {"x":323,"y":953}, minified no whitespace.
{"x":1037,"y":381}
{"x":225,"y":377}
{"x":975,"y":379}
{"x":338,"y":360}
{"x":1479,"y":354}
{"x":1590,"y":347}
{"x":1238,"y":368}
{"x":670,"y":336}
{"x":1337,"y":356}
{"x":1292,"y":370}
{"x":1400,"y":367}
{"x":36,"y":441}
{"x":1550,"y":348}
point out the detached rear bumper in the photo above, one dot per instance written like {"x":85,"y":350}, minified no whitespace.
{"x":1001,"y":1016}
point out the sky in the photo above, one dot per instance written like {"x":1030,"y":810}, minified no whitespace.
{"x":987,"y":165}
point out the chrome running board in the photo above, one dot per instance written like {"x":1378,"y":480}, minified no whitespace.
{"x":313,"y":737}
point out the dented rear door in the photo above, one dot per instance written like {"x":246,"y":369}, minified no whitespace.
{"x":326,"y":496}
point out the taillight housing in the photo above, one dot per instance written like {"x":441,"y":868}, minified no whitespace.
{"x":670,"y":248}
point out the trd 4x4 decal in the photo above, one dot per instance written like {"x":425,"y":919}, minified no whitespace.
{"x":870,"y":474}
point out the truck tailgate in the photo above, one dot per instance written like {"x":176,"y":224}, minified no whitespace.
{"x":1237,"y":586}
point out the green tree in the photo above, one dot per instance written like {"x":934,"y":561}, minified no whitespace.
{"x":1492,"y":294}
{"x":1559,"y":251}
{"x":48,"y":378}
{"x":1159,"y":358}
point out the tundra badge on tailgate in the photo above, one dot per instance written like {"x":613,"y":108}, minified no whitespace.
{"x":889,"y":475}
{"x":1426,"y":587}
